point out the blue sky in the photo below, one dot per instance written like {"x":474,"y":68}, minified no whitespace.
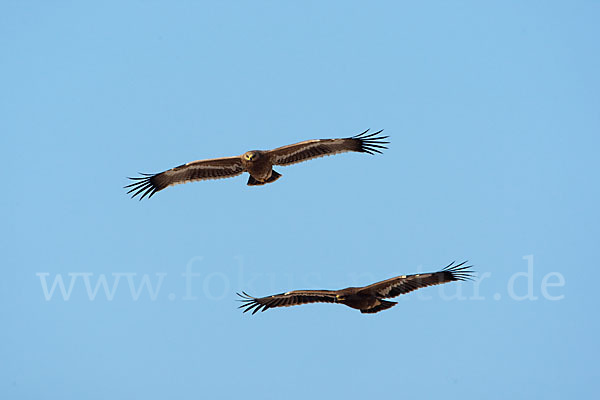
{"x":493,"y":113}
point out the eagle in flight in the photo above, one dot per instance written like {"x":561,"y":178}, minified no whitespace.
{"x":367,"y":299}
{"x":258,"y":163}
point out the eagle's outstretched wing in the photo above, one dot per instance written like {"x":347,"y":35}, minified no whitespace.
{"x":288,"y":299}
{"x":200,"y":170}
{"x":407,"y":283}
{"x":368,"y":299}
{"x":309,"y":149}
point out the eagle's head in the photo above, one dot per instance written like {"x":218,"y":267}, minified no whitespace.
{"x":251,"y":155}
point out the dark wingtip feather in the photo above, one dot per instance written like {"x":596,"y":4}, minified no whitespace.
{"x":250,"y":303}
{"x":142,"y":185}
{"x":371,"y":143}
{"x":460,"y":272}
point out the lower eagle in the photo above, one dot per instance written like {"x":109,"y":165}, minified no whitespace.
{"x":367,"y":299}
{"x":258,"y":163}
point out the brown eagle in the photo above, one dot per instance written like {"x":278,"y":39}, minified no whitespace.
{"x":258,"y":163}
{"x":367,"y":299}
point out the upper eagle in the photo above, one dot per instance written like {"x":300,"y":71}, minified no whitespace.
{"x":258,"y":163}
{"x":367,"y":299}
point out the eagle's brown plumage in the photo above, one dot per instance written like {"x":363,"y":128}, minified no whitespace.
{"x":367,"y":299}
{"x":259,"y":164}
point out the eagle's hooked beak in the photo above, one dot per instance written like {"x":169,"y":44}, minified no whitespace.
{"x":249,"y":157}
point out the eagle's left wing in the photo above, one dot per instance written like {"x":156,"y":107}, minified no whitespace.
{"x":216,"y":168}
{"x":407,"y":283}
{"x":288,"y":299}
{"x":309,"y":149}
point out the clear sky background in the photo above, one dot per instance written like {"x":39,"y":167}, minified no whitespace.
{"x":493,"y":109}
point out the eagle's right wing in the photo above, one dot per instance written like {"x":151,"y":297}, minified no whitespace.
{"x":309,"y":149}
{"x":407,"y":283}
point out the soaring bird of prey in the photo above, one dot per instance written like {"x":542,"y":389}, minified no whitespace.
{"x":367,"y":299}
{"x":258,"y":163}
